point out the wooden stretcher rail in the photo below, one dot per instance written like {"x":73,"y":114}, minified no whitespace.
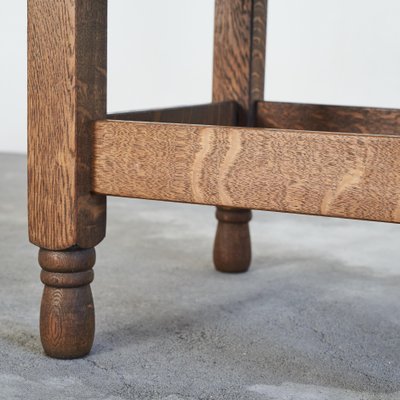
{"x":331,"y":174}
{"x":222,"y":113}
{"x":313,"y":117}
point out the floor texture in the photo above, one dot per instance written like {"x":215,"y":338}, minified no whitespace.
{"x":316,"y":317}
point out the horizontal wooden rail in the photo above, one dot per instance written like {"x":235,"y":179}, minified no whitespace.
{"x":330,"y":174}
{"x":328,"y":118}
{"x":222,"y":113}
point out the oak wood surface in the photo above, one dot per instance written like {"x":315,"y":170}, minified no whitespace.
{"x":239,"y":53}
{"x":66,"y":92}
{"x":314,"y":117}
{"x":67,"y":320}
{"x":258,"y":54}
{"x":331,"y":174}
{"x":223,"y":113}
{"x":238,"y":74}
{"x":232,"y":250}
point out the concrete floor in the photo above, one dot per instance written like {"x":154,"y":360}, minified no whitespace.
{"x":316,"y":317}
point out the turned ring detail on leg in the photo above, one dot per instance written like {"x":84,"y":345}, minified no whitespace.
{"x":67,"y":312}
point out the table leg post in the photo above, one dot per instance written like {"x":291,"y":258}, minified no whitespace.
{"x":239,"y":67}
{"x":67,"y":43}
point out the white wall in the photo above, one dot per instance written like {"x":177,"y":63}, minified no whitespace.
{"x":160,"y":54}
{"x":343,"y":52}
{"x":13,"y":76}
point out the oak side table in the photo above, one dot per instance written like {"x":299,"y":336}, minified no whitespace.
{"x":237,"y":153}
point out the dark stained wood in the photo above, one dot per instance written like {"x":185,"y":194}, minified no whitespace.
{"x":233,"y":228}
{"x":232,"y":51}
{"x":239,"y":53}
{"x":71,"y":280}
{"x":239,"y":69}
{"x":66,"y":92}
{"x":67,"y":312}
{"x":319,"y":173}
{"x":258,"y":49}
{"x":68,"y":260}
{"x":328,"y":118}
{"x":224,"y":113}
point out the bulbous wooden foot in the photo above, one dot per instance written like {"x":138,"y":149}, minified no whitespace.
{"x":232,"y":246}
{"x":67,"y":310}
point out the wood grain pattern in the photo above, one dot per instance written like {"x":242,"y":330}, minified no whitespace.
{"x":258,"y":52}
{"x":66,"y":92}
{"x":232,"y":250}
{"x":224,"y":113}
{"x":239,"y":69}
{"x":239,"y":53}
{"x":328,"y":118}
{"x":67,"y":320}
{"x":330,"y":174}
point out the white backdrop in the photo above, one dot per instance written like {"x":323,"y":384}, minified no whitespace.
{"x":160,"y":54}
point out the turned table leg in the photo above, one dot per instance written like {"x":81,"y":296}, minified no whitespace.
{"x":232,"y":246}
{"x":66,"y":93}
{"x":67,"y":310}
{"x":239,"y":66}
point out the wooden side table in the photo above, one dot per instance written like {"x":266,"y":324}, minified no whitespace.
{"x":238,"y":153}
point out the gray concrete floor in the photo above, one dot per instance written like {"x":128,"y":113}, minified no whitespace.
{"x":316,"y":317}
